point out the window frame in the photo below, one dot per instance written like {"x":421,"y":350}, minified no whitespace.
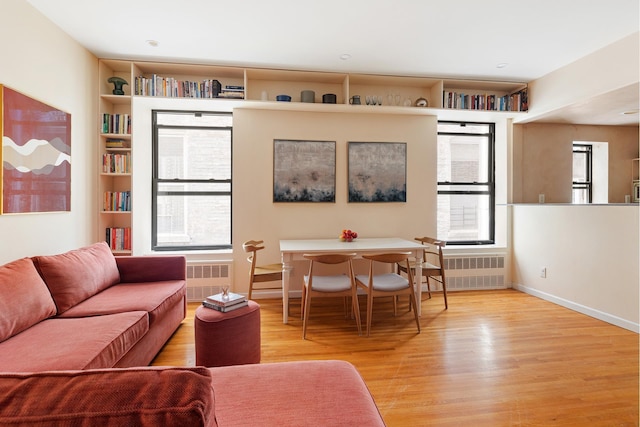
{"x":156,"y":181}
{"x":491,"y":176}
{"x":588,"y":184}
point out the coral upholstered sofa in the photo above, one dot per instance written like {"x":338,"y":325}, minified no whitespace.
{"x":87,"y":309}
{"x":77,"y":329}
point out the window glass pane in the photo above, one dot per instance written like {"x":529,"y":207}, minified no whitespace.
{"x":463,"y":158}
{"x":194,"y":154}
{"x":580,"y":171}
{"x":194,"y":220}
{"x":464,"y":217}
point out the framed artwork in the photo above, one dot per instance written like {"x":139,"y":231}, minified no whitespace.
{"x":36,"y":155}
{"x":304,"y":171}
{"x":377,"y":171}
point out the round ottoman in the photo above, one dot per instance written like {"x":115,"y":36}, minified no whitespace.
{"x":231,"y":338}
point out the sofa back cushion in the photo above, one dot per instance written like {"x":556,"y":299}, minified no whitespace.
{"x":151,"y":396}
{"x":76,"y":275}
{"x":24,"y":298}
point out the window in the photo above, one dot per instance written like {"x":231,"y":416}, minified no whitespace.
{"x":582,"y":166}
{"x":191,"y":181}
{"x":466,"y":183}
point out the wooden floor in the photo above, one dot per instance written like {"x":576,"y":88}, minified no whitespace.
{"x":494,"y":358}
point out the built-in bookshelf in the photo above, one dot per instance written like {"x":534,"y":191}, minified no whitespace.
{"x":115,"y":151}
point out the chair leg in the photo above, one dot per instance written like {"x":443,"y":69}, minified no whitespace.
{"x":412,"y":300}
{"x":428,"y":287}
{"x":302,"y":301}
{"x":369,"y":312}
{"x":444,"y":292}
{"x":307,"y":309}
{"x":355,"y":307}
{"x":250,"y":289}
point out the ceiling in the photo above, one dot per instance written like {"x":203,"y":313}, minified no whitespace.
{"x":455,"y":39}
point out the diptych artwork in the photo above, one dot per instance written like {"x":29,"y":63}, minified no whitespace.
{"x":36,"y":155}
{"x":304,"y":171}
{"x":377,"y":172}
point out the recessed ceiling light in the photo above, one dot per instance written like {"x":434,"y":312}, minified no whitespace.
{"x":631,"y":112}
{"x":345,"y":56}
{"x":502,"y":65}
{"x":152,"y":43}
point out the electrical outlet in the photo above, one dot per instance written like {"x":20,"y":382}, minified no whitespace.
{"x":543,"y":272}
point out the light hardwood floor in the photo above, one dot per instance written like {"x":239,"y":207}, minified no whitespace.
{"x":494,"y":358}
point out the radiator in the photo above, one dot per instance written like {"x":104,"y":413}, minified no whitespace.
{"x":467,"y":272}
{"x":204,"y":278}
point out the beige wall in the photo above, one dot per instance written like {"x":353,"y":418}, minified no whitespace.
{"x":542,"y":159}
{"x":41,"y":61}
{"x":591,"y":254}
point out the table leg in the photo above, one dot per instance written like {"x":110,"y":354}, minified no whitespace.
{"x":417,"y":280}
{"x":287,"y":266}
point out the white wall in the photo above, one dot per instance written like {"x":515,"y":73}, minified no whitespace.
{"x":41,"y":61}
{"x":591,"y":254}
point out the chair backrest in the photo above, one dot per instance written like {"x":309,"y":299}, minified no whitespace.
{"x":433,"y":246}
{"x":401,"y":258}
{"x":251,"y":247}
{"x":330,"y":258}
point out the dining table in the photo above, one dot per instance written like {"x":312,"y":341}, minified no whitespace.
{"x":294,"y":249}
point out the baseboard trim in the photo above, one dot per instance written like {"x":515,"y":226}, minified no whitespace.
{"x":597,"y":314}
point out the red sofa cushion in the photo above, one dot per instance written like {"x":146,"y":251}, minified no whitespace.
{"x":24,"y":298}
{"x":84,"y":343}
{"x":153,"y":297}
{"x":76,"y":275}
{"x":116,"y":397}
{"x":293,"y":394}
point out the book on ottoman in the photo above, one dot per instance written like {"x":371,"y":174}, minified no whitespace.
{"x":229,"y":300}
{"x":227,"y":308}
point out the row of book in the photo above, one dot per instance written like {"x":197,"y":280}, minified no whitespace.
{"x":514,"y":102}
{"x":117,"y":143}
{"x":118,"y":238}
{"x":174,"y":88}
{"x":232,"y":92}
{"x":119,"y":201}
{"x":225,"y":303}
{"x":116,"y":123}
{"x":116,"y":163}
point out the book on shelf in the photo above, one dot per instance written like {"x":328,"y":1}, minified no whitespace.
{"x":118,"y":238}
{"x":116,"y":143}
{"x":225,"y":309}
{"x":220,"y":301}
{"x":116,"y":123}
{"x":116,"y":163}
{"x":117,"y":201}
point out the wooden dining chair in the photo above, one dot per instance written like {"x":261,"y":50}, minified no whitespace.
{"x":387,"y":284}
{"x":261,"y":273}
{"x":432,"y":265}
{"x":336,"y":285}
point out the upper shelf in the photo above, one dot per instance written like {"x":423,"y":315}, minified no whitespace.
{"x":266,"y":84}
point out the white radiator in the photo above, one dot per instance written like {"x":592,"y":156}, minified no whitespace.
{"x":204,"y":278}
{"x":468,"y":272}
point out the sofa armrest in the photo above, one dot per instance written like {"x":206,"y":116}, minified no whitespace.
{"x":136,"y":269}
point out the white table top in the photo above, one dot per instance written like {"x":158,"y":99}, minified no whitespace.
{"x":386,"y":244}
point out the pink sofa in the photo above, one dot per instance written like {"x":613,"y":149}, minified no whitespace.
{"x":74,"y":326}
{"x":87,"y":309}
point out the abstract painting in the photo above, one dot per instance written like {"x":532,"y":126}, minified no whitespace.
{"x":36,"y":155}
{"x":377,"y":171}
{"x":304,"y":171}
